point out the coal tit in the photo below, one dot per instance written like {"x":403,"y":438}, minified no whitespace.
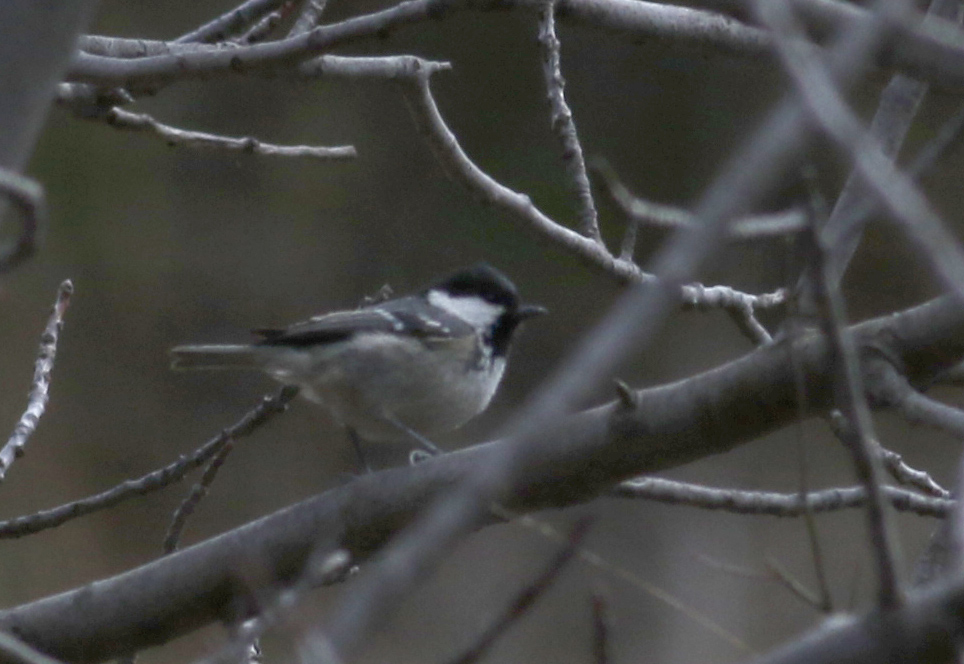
{"x":415,"y":365}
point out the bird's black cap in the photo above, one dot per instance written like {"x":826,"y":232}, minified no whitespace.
{"x":482,"y":280}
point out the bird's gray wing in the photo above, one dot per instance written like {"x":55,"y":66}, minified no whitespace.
{"x":411,"y":316}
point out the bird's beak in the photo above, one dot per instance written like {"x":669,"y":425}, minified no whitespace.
{"x":527,"y":311}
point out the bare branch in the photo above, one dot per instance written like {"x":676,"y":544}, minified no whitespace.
{"x":158,"y":479}
{"x":809,"y":520}
{"x":308,"y":18}
{"x":40,"y":387}
{"x":28,"y":196}
{"x":768,"y":503}
{"x":223,"y":26}
{"x":383,"y":68}
{"x":905,"y":474}
{"x":740,"y":306}
{"x":774,"y":573}
{"x":458,"y":166}
{"x":601,"y":628}
{"x":795,"y":586}
{"x":669,"y":217}
{"x":193,"y":499}
{"x":389,"y":67}
{"x":626,"y":576}
{"x":857,"y":434}
{"x":890,"y":389}
{"x":563,"y":125}
{"x":264,"y":27}
{"x":173,"y":136}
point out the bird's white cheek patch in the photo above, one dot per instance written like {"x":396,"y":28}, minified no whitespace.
{"x":472,"y":310}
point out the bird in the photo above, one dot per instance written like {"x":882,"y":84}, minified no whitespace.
{"x":402,"y":369}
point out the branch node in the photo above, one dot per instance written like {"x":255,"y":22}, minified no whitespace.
{"x":628,"y":399}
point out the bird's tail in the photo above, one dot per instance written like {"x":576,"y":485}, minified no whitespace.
{"x":215,"y":357}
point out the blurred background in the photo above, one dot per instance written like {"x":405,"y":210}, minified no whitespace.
{"x":168,"y":246}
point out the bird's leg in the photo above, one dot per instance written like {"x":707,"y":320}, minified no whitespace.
{"x":357,"y":443}
{"x":424,"y":442}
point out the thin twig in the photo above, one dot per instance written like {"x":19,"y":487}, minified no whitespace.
{"x":767,"y":503}
{"x":893,"y":462}
{"x":905,"y":474}
{"x":629,"y":578}
{"x":809,"y":519}
{"x":28,"y":196}
{"x":525,"y":598}
{"x":263,"y":28}
{"x":194,"y":497}
{"x":669,"y":217}
{"x":601,"y":627}
{"x":600,"y":562}
{"x":40,"y":387}
{"x":858,"y":435}
{"x":308,"y":18}
{"x":239,"y":17}
{"x":173,"y":136}
{"x":153,"y":481}
{"x":891,"y":389}
{"x":563,"y":125}
{"x":775,"y":573}
{"x":739,"y":306}
{"x":796,"y":587}
{"x":849,"y":383}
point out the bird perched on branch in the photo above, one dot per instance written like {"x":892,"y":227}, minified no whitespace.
{"x":401,"y":369}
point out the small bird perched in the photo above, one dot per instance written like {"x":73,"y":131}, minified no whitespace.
{"x":404,"y":368}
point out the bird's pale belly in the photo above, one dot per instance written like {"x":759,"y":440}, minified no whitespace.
{"x":374,"y":391}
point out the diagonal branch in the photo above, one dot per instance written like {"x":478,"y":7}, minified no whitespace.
{"x":563,"y":125}
{"x":40,"y":387}
{"x":525,"y":598}
{"x":153,"y":481}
